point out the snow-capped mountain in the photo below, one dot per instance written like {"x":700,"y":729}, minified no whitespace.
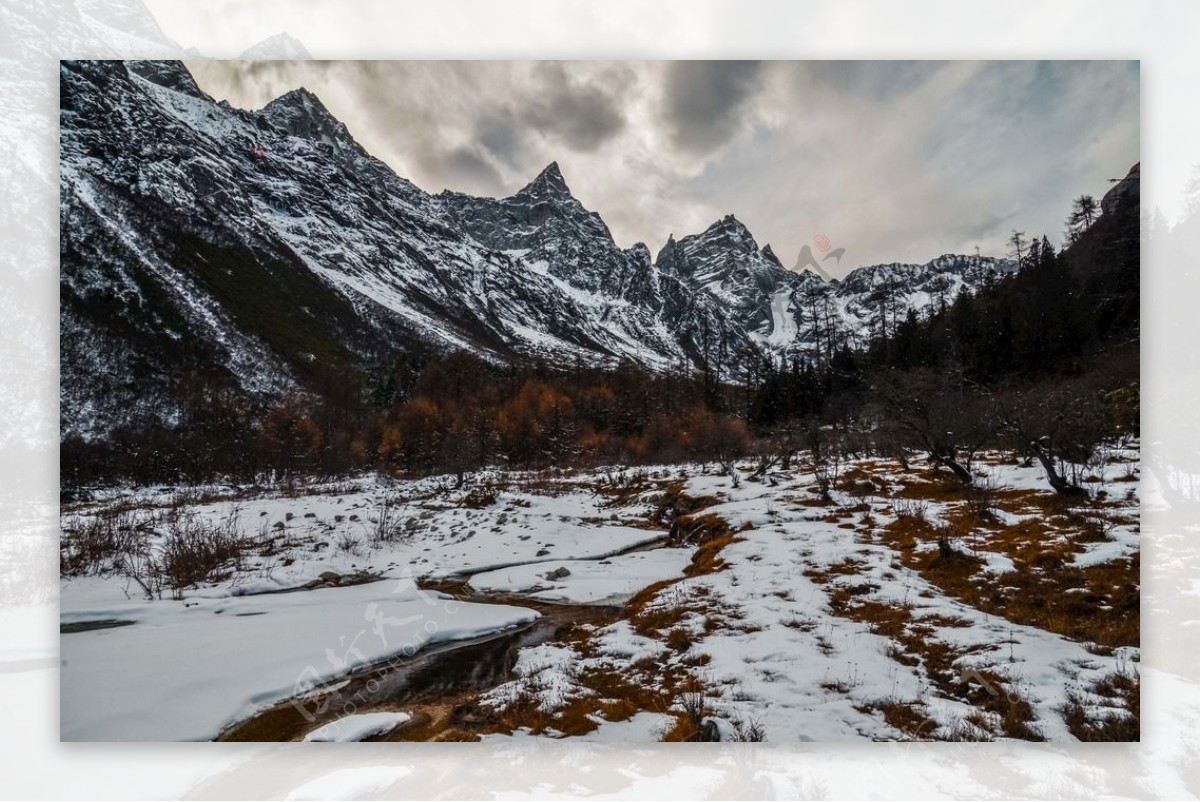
{"x":282,"y":47}
{"x":268,"y":247}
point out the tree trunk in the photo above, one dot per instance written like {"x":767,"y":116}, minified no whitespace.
{"x":1060,"y":485}
{"x":955,"y":467}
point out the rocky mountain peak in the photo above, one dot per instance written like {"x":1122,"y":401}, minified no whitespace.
{"x":549,"y":183}
{"x":639,"y":252}
{"x":301,"y":113}
{"x":769,"y":254}
{"x":280,"y":46}
{"x":170,"y":74}
{"x":728,"y":233}
{"x":298,"y":100}
{"x":731,"y":225}
{"x":375,"y":263}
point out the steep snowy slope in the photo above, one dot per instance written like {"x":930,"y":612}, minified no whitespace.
{"x":269,"y":250}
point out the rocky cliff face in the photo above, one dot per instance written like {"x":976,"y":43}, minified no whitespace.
{"x":1128,"y":187}
{"x":267,"y":247}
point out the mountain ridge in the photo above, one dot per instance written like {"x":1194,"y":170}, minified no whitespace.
{"x":175,"y":206}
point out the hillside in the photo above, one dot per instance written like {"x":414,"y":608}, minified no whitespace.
{"x":265,"y":253}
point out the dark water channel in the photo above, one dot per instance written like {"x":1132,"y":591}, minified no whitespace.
{"x":430,"y":683}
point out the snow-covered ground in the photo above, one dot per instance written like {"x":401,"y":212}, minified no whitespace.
{"x":783,"y":322}
{"x":613,"y":580}
{"x":812,"y":620}
{"x":184,"y":670}
{"x":358,"y":726}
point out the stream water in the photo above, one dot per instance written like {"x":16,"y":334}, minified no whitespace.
{"x":435,"y":683}
{"x":430,"y":683}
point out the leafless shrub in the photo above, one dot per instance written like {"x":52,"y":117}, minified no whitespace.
{"x":196,"y":551}
{"x":751,"y":731}
{"x":947,"y":551}
{"x":89,"y":544}
{"x":347,"y":542}
{"x":145,"y":570}
{"x":981,"y":498}
{"x":386,"y":525}
{"x":1085,"y":720}
{"x":695,"y":708}
{"x":964,"y":731}
{"x":911,"y":508}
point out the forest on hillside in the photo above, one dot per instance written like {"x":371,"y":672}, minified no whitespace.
{"x":1043,"y":361}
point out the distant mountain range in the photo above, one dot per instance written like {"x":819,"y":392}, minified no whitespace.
{"x":263,"y":246}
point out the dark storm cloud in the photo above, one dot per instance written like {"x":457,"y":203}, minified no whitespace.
{"x":504,"y":135}
{"x":458,"y":125}
{"x":893,"y":161}
{"x":581,"y":114}
{"x":465,"y":166}
{"x":703,"y":101}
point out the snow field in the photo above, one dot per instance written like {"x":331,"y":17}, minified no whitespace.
{"x":814,"y":621}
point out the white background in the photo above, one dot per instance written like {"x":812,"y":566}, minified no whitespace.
{"x":33,"y":36}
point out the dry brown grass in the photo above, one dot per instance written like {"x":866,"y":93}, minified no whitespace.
{"x":698,"y":528}
{"x":690,"y":697}
{"x":933,"y":486}
{"x":1122,"y":690}
{"x":679,"y":639}
{"x":859,"y":481}
{"x":617,"y":692}
{"x":847,"y":567}
{"x":652,"y":612}
{"x":889,"y":620}
{"x":608,"y":692}
{"x":707,"y":559}
{"x":676,"y":503}
{"x":908,"y":717}
{"x":939,"y":620}
{"x":913,"y":645}
{"x":453,"y":735}
{"x":1099,"y":603}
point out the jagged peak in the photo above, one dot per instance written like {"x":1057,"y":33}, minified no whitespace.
{"x":668,"y":248}
{"x":946,"y":263}
{"x":281,"y":46}
{"x":769,"y":254}
{"x":301,"y":113}
{"x":640,"y":253}
{"x":729,"y":227}
{"x":549,"y":181}
{"x":169,"y":74}
{"x":300,"y":97}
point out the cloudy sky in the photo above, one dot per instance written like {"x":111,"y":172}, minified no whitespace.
{"x":893,"y":161}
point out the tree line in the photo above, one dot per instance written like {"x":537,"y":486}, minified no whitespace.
{"x":1045,"y":358}
{"x":447,"y":414}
